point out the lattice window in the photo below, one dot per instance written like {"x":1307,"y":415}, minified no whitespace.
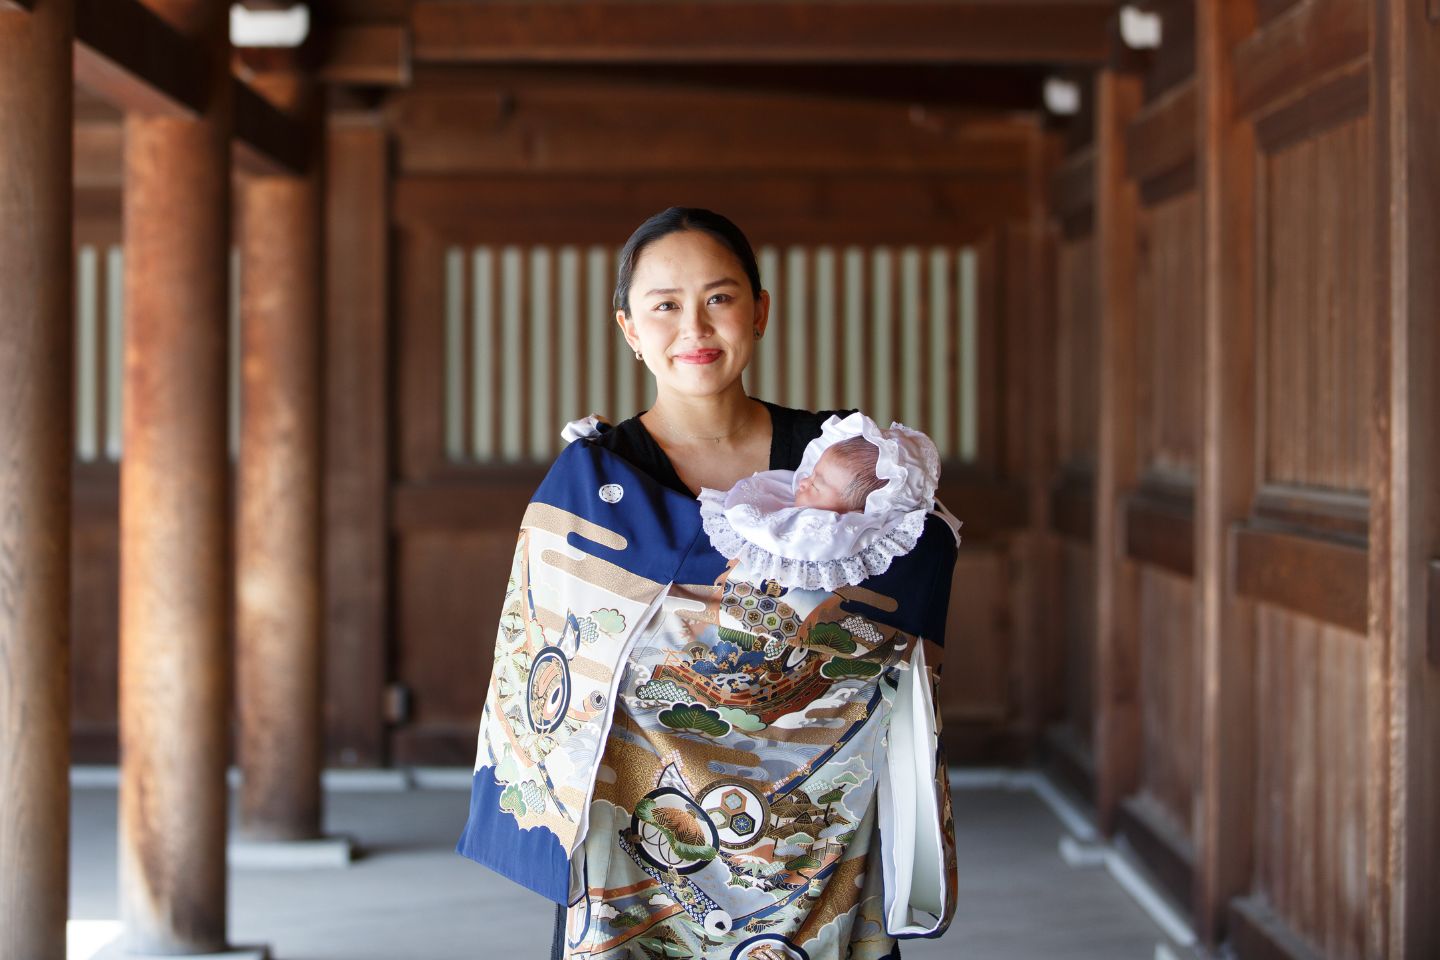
{"x":531,"y":342}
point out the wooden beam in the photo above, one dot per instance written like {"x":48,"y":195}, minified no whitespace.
{"x":1226,"y":470}
{"x":1296,"y":49}
{"x":782,"y":208}
{"x":751,"y":31}
{"x":603,"y":129}
{"x":990,"y":87}
{"x":1320,"y":577}
{"x":126,"y":54}
{"x":267,"y":142}
{"x":1404,"y":685}
{"x":129,"y":56}
{"x":364,"y":54}
{"x":1339,"y":99}
{"x":1117,"y":654}
{"x":1160,"y":531}
{"x":1162,"y":137}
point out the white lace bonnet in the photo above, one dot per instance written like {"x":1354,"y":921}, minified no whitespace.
{"x":757,"y":523}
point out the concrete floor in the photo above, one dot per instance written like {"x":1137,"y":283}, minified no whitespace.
{"x":410,"y":897}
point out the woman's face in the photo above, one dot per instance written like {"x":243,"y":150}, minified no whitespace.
{"x":692,"y":315}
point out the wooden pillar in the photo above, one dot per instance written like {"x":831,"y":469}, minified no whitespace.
{"x":1225,"y":481}
{"x":174,"y":509}
{"x":1039,"y":553}
{"x":1117,"y":655}
{"x":1404,"y":593}
{"x":278,"y":530}
{"x":35,"y":454}
{"x":357,"y":439}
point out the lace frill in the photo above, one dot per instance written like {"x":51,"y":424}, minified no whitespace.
{"x":757,"y":564}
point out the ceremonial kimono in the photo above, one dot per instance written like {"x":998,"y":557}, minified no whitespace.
{"x":705,"y":768}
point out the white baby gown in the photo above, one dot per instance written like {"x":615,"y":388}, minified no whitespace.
{"x":757,"y":523}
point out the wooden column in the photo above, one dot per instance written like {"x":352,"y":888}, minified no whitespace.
{"x":174,"y":509}
{"x":35,"y":452}
{"x":278,"y":530}
{"x":1039,"y":563}
{"x":1404,"y":597}
{"x":1117,"y":655}
{"x":1225,"y":481}
{"x":357,"y":417}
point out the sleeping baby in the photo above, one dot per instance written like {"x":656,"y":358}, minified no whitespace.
{"x":858,"y":500}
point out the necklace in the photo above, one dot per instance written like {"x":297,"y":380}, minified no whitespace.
{"x":670,"y":428}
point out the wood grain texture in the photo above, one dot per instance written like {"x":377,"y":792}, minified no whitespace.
{"x":1320,"y":577}
{"x":1170,"y":705}
{"x":1225,"y":471}
{"x":1160,"y":843}
{"x":279,"y":518}
{"x":358,"y":430}
{"x":1077,"y":359}
{"x":131,"y":57}
{"x":1317,"y":366}
{"x":1162,"y":135}
{"x":1160,"y":531}
{"x":609,"y":128}
{"x":369,"y":54}
{"x":1310,"y":856}
{"x":1117,"y":655}
{"x":1405,"y":491}
{"x":175,"y":587}
{"x":1296,"y":49}
{"x":1169,"y":336}
{"x":772,"y":208}
{"x":35,"y":478}
{"x":1077,"y":591}
{"x":755,"y":32}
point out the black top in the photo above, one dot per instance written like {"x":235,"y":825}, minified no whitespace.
{"x":790,"y":432}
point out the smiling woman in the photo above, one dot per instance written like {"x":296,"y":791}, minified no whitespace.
{"x":689,"y":302}
{"x":695,"y":765}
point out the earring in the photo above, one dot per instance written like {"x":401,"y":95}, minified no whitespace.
{"x":637,"y":355}
{"x":757,"y":333}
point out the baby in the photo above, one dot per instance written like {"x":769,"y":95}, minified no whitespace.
{"x":843,"y":477}
{"x":858,"y":500}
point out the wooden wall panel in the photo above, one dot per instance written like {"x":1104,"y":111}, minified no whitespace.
{"x":1170,"y":695}
{"x":94,"y":614}
{"x":1077,"y":627}
{"x":1169,"y":330}
{"x":1317,"y":291}
{"x":1310,"y":845}
{"x":976,"y":680}
{"x":1077,"y":360}
{"x":450,"y":585}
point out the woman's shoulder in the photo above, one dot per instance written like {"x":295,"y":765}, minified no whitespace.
{"x":630,"y":441}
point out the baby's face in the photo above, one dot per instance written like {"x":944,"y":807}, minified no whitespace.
{"x":825,"y":487}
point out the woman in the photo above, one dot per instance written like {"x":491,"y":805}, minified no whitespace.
{"x":697,"y":767}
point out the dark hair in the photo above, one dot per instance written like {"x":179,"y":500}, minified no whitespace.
{"x":859,"y":456}
{"x":674,"y":220}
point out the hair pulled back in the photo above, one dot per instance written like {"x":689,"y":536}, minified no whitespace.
{"x":674,"y":220}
